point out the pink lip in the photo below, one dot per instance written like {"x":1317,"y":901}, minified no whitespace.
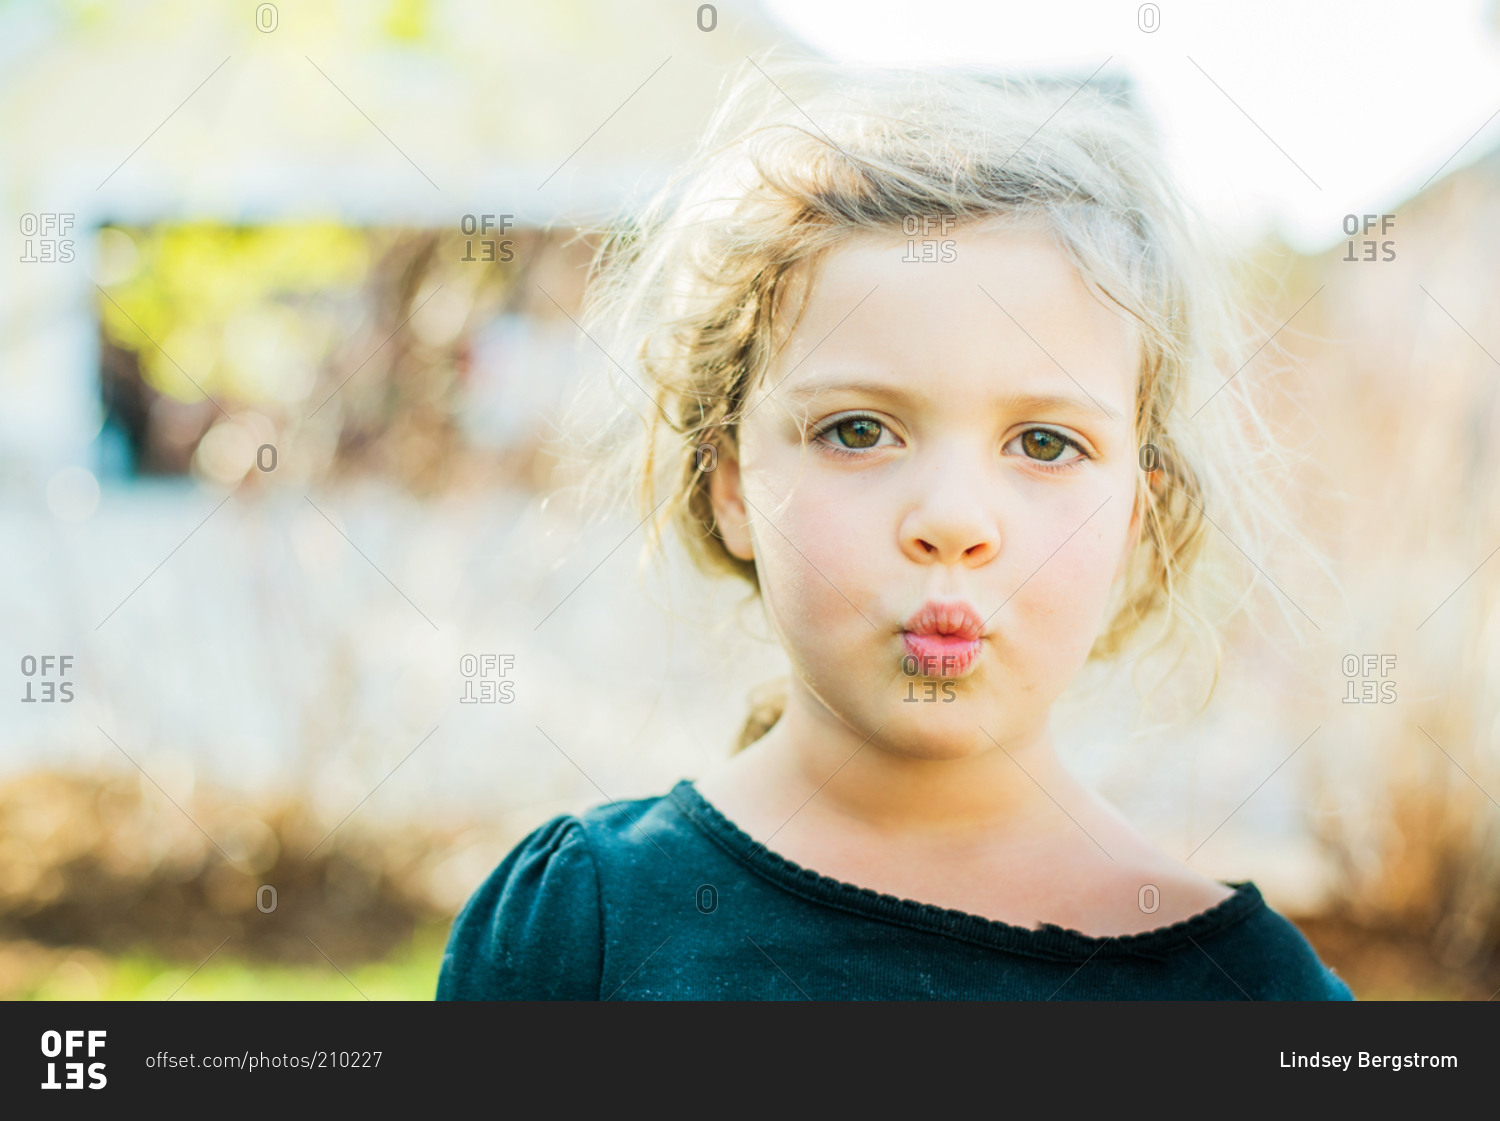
{"x":943,"y":639}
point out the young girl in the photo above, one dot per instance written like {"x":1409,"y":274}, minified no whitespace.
{"x":907,"y":337}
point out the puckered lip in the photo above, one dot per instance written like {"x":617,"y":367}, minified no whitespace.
{"x":955,"y":617}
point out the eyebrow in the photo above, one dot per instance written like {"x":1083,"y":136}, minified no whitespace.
{"x":1023,"y":402}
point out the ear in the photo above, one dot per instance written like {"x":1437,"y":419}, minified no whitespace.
{"x":730,"y":518}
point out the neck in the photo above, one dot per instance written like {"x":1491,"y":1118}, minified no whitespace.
{"x":876,"y":779}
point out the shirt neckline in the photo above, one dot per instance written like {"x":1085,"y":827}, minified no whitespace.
{"x":1047,"y":941}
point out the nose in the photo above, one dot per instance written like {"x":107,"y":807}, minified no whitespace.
{"x":950,"y":522}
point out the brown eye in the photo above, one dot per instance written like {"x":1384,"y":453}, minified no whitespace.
{"x":1043,"y":445}
{"x":859,"y":432}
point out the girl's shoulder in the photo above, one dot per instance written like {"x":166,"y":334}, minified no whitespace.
{"x":533,"y":930}
{"x":1271,"y":959}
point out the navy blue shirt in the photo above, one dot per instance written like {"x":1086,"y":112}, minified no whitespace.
{"x":666,"y":899}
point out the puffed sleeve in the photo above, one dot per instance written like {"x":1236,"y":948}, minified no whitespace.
{"x":533,"y":930}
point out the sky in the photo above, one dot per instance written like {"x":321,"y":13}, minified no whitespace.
{"x":1278,"y":114}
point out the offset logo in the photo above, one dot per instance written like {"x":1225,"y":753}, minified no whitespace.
{"x":492,"y":690}
{"x":1369,"y":246}
{"x":1352,"y":666}
{"x":933,"y":249}
{"x":490,"y":248}
{"x":46,"y":238}
{"x":51,"y":666}
{"x":66,"y":1044}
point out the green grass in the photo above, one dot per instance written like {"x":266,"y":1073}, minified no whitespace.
{"x":409,"y":974}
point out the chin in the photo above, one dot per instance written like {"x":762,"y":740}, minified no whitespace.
{"x":933,"y":730}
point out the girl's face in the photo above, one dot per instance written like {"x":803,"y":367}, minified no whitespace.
{"x":936,"y":482}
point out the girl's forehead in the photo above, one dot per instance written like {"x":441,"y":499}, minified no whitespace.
{"x":956,"y":252}
{"x":988,"y":310}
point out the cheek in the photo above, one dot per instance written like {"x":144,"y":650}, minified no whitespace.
{"x":816,"y":546}
{"x":1060,"y":611}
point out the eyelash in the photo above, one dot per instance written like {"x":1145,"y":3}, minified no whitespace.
{"x":1039,"y":464}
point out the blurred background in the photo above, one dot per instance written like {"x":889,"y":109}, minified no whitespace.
{"x":303,"y":627}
